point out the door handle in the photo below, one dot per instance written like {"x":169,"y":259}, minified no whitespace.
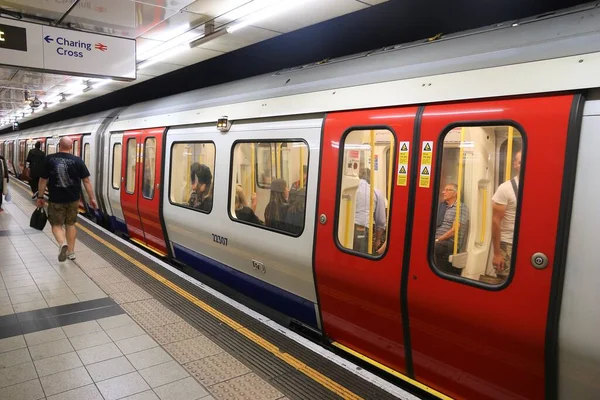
{"x":158,"y":186}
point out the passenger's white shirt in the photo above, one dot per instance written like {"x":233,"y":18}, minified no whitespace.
{"x":505,"y":195}
{"x":363,"y":198}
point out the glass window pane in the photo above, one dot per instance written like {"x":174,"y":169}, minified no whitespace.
{"x":149,"y":168}
{"x":116,"y":170}
{"x":75,"y":149}
{"x":192,"y":175}
{"x":131,"y":164}
{"x":365,"y":191}
{"x":271,"y":197}
{"x":477,"y":202}
{"x":86,"y":154}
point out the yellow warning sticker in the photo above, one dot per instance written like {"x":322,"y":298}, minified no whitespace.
{"x":402,"y":175}
{"x":403,"y":164}
{"x":426,"y":158}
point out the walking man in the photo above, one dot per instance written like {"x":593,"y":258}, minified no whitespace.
{"x":35,"y":159}
{"x":63,"y":173}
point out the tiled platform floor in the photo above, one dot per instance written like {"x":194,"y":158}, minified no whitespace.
{"x":146,"y":353}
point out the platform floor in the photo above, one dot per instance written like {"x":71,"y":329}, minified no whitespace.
{"x":115,"y":324}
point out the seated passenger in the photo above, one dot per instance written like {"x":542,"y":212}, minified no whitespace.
{"x":445,"y":228}
{"x":276,"y":210}
{"x":242,"y":211}
{"x":296,"y":185}
{"x":201,"y":196}
{"x":294,"y":219}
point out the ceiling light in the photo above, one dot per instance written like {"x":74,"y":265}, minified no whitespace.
{"x":171,"y":44}
{"x":162,"y":56}
{"x":266,"y":12}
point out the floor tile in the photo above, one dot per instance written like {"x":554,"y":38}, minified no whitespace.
{"x":61,"y":301}
{"x":45,"y":287}
{"x":186,"y":388}
{"x":49,"y":335}
{"x":89,"y":392}
{"x":50,"y":349}
{"x":163,"y":373}
{"x":90,"y":340}
{"x":147,"y":395}
{"x":24,"y":290}
{"x":17,"y":374}
{"x":135,"y":344}
{"x":14,"y":357}
{"x":149,"y":358}
{"x":66,"y":380}
{"x":26,"y":298}
{"x":30,"y":390}
{"x":248,"y":386}
{"x":114,"y":322}
{"x":193,"y":349}
{"x":122,"y":386}
{"x":53,"y":365}
{"x":91,"y":296}
{"x":12,"y":343}
{"x":6,"y":310}
{"x":34,"y":305}
{"x":96,"y":354}
{"x":86,"y":288}
{"x":57,"y":293}
{"x":109,"y":369}
{"x":216,"y":369}
{"x":125,"y":332}
{"x":173,"y":332}
{"x":81,"y":328}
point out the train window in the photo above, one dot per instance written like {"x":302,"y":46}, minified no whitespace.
{"x":131,"y":165}
{"x":280,"y":205}
{"x":75,"y":148}
{"x":149,"y":168}
{"x":192,"y":175}
{"x":365,"y":190}
{"x":116,"y":166}
{"x":86,"y":154}
{"x":477,"y":203}
{"x":51,"y":149}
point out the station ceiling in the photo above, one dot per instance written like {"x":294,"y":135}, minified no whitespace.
{"x":169,"y":35}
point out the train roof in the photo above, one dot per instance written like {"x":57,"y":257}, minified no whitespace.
{"x":551,"y":36}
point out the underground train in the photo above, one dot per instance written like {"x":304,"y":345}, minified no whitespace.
{"x":317,"y":191}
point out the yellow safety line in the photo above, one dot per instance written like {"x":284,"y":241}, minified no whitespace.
{"x":393,"y":372}
{"x":265,"y":344}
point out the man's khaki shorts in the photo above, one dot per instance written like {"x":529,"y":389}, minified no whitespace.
{"x":63,"y":213}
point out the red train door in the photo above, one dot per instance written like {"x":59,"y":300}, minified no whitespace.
{"x":359,"y":289}
{"x":476,"y":331}
{"x":140,"y":188}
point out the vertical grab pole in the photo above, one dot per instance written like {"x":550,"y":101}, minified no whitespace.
{"x":301,"y":166}
{"x":273,"y":162}
{"x":253,"y":168}
{"x":459,"y":190}
{"x":389,"y":183}
{"x":371,"y":194}
{"x":511,"y":132}
{"x":278,"y":157}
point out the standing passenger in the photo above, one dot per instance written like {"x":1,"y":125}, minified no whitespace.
{"x":35,"y":159}
{"x":503,"y":221}
{"x":362,"y":219}
{"x":63,"y":173}
{"x":3,"y":179}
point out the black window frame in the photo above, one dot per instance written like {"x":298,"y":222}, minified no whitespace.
{"x":127,"y":164}
{"x":214,"y":172}
{"x":144,"y":167}
{"x":338,"y":191}
{"x":435,"y":202}
{"x":232,"y":184}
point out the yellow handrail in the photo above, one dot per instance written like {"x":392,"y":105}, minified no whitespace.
{"x":278,"y":157}
{"x":483,"y":216}
{"x":252,"y":168}
{"x":507,"y":172}
{"x":371,"y":194}
{"x":301,"y":166}
{"x":459,"y":189}
{"x":273,"y":162}
{"x":347,"y":222}
{"x":389,"y":182}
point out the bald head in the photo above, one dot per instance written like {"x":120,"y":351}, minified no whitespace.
{"x":65,"y":144}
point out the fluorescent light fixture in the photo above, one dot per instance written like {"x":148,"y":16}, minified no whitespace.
{"x":163,"y":56}
{"x":268,"y":11}
{"x":171,"y":44}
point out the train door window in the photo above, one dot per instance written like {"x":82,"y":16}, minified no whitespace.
{"x":75,"y":148}
{"x":116,"y":166}
{"x":192,"y":175}
{"x":365,"y":191}
{"x":477,"y":203}
{"x":86,"y":154}
{"x":281,"y":207}
{"x":131,"y":165}
{"x":149,"y":168}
